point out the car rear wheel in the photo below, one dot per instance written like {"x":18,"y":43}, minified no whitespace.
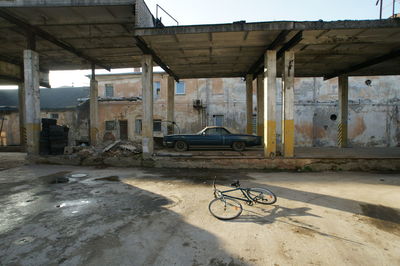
{"x":181,"y":146}
{"x":238,"y":146}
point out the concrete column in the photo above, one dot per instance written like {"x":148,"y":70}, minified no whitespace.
{"x":249,"y":104}
{"x":170,"y":104}
{"x":343,"y":110}
{"x":21,"y":112}
{"x":288,"y":105}
{"x":147,"y":123}
{"x":260,"y":105}
{"x":270,"y":104}
{"x":32,"y":101}
{"x":94,"y":110}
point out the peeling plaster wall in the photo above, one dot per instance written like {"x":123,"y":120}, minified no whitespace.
{"x":373,"y":109}
{"x":11,"y":134}
{"x":374,"y":116}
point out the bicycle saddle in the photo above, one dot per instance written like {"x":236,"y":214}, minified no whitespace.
{"x":236,"y":184}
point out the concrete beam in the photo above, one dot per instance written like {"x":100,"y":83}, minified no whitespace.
{"x":147,"y":50}
{"x":270,"y":104}
{"x":249,"y":104}
{"x":147,"y":122}
{"x":11,"y":74}
{"x":47,"y":36}
{"x":255,"y":68}
{"x":343,"y":111}
{"x":94,"y":110}
{"x":32,"y":101}
{"x":268,"y":26}
{"x":288,"y":105}
{"x":260,"y":105}
{"x":65,"y":3}
{"x":286,"y":47}
{"x":368,"y":63}
{"x":170,"y":104}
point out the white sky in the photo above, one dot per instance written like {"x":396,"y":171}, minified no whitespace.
{"x":189,"y":12}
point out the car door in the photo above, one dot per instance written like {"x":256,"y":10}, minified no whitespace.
{"x":212,"y":137}
{"x":224,"y":136}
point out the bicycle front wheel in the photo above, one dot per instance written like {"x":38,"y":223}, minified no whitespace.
{"x":225,"y":209}
{"x":262,"y":195}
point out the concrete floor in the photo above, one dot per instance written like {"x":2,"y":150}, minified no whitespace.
{"x":258,"y":152}
{"x":160,"y":217}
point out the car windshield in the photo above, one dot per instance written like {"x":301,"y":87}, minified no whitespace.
{"x":214,"y":131}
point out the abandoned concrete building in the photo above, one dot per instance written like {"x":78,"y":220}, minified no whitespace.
{"x":217,"y":102}
{"x":356,"y":107}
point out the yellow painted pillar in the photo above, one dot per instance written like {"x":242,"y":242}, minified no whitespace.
{"x":260,"y":105}
{"x":270,"y":104}
{"x":343,"y":110}
{"x":249,"y":104}
{"x":288,"y":105}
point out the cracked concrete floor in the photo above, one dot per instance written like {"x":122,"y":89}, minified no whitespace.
{"x":138,"y":216}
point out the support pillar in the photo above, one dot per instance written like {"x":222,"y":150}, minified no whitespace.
{"x":288,"y":105}
{"x":147,"y":124}
{"x":21,"y":112}
{"x":170,"y":104}
{"x":343,"y":110}
{"x":260,"y":105}
{"x":32,"y":101}
{"x":270,"y":104}
{"x":249,"y":104}
{"x":94,"y":109}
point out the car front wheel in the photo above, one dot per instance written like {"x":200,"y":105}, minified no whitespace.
{"x":238,"y":146}
{"x":181,"y":146}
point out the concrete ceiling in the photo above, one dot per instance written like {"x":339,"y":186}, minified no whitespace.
{"x":106,"y":32}
{"x":99,"y":29}
{"x":322,"y":48}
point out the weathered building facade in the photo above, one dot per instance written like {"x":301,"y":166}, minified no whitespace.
{"x":374,"y":102}
{"x":374,"y":119}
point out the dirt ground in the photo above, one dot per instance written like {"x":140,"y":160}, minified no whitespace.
{"x":138,"y":216}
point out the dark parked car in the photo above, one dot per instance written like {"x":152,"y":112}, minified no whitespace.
{"x":212,"y":136}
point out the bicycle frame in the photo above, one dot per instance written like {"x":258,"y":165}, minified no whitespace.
{"x":243,"y":190}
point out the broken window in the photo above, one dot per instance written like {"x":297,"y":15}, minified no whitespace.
{"x":156,"y":125}
{"x":109,"y":90}
{"x":110,"y":125}
{"x":138,"y":126}
{"x":156,"y":90}
{"x":180,"y":88}
{"x":54,"y":116}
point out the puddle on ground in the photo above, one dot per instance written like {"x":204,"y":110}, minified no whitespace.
{"x":112,"y":178}
{"x":201,"y":176}
{"x":384,"y":218}
{"x":59,"y":177}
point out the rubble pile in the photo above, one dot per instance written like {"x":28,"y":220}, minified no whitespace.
{"x":107,"y":149}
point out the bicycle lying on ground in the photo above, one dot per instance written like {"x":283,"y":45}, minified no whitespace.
{"x":227,"y":207}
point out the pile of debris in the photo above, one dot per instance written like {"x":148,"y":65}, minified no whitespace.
{"x":107,"y":149}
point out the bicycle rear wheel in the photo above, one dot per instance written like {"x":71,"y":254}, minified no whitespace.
{"x":262,"y":195}
{"x":225,"y":209}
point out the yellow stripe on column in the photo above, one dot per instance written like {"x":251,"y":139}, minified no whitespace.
{"x":288,"y":142}
{"x":270,"y":139}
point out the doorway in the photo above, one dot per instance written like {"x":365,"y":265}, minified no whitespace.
{"x":123,"y":129}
